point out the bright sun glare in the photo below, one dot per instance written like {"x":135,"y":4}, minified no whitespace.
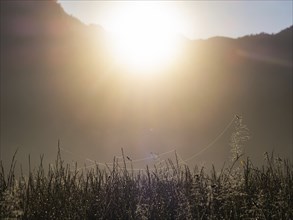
{"x":144,"y":37}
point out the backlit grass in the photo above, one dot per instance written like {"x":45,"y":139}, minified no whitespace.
{"x":174,"y":191}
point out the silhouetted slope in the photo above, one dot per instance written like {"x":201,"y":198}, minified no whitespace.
{"x":46,"y":58}
{"x":257,"y":71}
{"x":276,"y":46}
{"x":59,"y":81}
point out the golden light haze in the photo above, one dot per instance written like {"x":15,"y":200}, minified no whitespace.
{"x":142,"y":43}
{"x":64,"y":79}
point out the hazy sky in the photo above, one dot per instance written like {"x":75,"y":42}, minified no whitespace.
{"x":195,"y":19}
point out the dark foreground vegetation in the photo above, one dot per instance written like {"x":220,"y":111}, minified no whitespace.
{"x":172,"y":191}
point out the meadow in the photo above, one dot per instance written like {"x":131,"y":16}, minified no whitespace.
{"x":170,"y":191}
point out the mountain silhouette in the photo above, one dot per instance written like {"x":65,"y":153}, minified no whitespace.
{"x":58,"y":80}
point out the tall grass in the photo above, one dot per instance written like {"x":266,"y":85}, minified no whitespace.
{"x":240,"y":191}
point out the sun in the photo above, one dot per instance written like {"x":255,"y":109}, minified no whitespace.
{"x":144,"y":37}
